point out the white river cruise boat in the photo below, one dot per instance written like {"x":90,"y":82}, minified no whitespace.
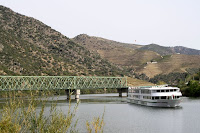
{"x":157,"y":96}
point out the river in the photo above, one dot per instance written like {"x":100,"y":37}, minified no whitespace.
{"x":123,"y":117}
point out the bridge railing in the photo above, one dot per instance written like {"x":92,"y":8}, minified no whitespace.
{"x":60,"y":82}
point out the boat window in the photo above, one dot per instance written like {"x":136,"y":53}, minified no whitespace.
{"x":157,"y":90}
{"x":145,"y":91}
{"x":146,"y":97}
{"x":153,"y":98}
{"x":136,"y":91}
{"x":162,"y":90}
{"x":163,"y":97}
{"x":167,"y":90}
{"x":136,"y":96}
{"x":177,"y":96}
{"x":156,"y":97}
{"x":174,"y":89}
{"x":171,"y":90}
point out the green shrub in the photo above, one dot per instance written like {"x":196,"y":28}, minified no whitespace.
{"x":193,"y":89}
{"x":20,"y":115}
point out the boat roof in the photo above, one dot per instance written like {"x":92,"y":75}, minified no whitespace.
{"x":159,"y":87}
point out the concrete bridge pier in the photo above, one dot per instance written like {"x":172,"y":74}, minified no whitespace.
{"x":77,"y":93}
{"x":121,"y":90}
{"x":68,"y":93}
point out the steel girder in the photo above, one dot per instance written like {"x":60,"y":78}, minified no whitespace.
{"x":60,"y":82}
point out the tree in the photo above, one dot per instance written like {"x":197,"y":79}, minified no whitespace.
{"x":193,"y":89}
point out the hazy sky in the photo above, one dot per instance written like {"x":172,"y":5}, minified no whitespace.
{"x":164,"y":22}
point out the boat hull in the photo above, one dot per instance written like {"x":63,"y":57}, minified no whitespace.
{"x":157,"y":103}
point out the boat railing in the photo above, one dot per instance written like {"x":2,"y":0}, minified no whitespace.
{"x":141,"y":87}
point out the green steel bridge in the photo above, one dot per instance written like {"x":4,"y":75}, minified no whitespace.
{"x":67,"y":83}
{"x":60,"y":82}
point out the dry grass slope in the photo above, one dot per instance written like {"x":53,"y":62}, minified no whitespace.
{"x":135,"y":57}
{"x":121,"y":54}
{"x":172,"y":63}
{"x":137,"y":82}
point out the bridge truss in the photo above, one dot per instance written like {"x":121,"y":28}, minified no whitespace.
{"x":60,"y":82}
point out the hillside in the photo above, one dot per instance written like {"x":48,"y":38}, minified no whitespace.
{"x":29,"y":47}
{"x":170,"y":50}
{"x":171,"y":63}
{"x":186,"y":51}
{"x":137,"y":82}
{"x":98,"y":43}
{"x":133,"y":58}
{"x":158,"y":49}
{"x":121,"y":54}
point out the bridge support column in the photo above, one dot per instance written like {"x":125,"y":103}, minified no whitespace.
{"x":68,"y":93}
{"x":78,"y":92}
{"x":127,"y":92}
{"x":120,"y":92}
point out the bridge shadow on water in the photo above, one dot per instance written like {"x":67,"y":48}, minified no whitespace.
{"x":95,"y":98}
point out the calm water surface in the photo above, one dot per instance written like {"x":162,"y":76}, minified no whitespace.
{"x":122,"y":117}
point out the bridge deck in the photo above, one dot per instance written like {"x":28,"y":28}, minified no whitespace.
{"x":60,"y":82}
